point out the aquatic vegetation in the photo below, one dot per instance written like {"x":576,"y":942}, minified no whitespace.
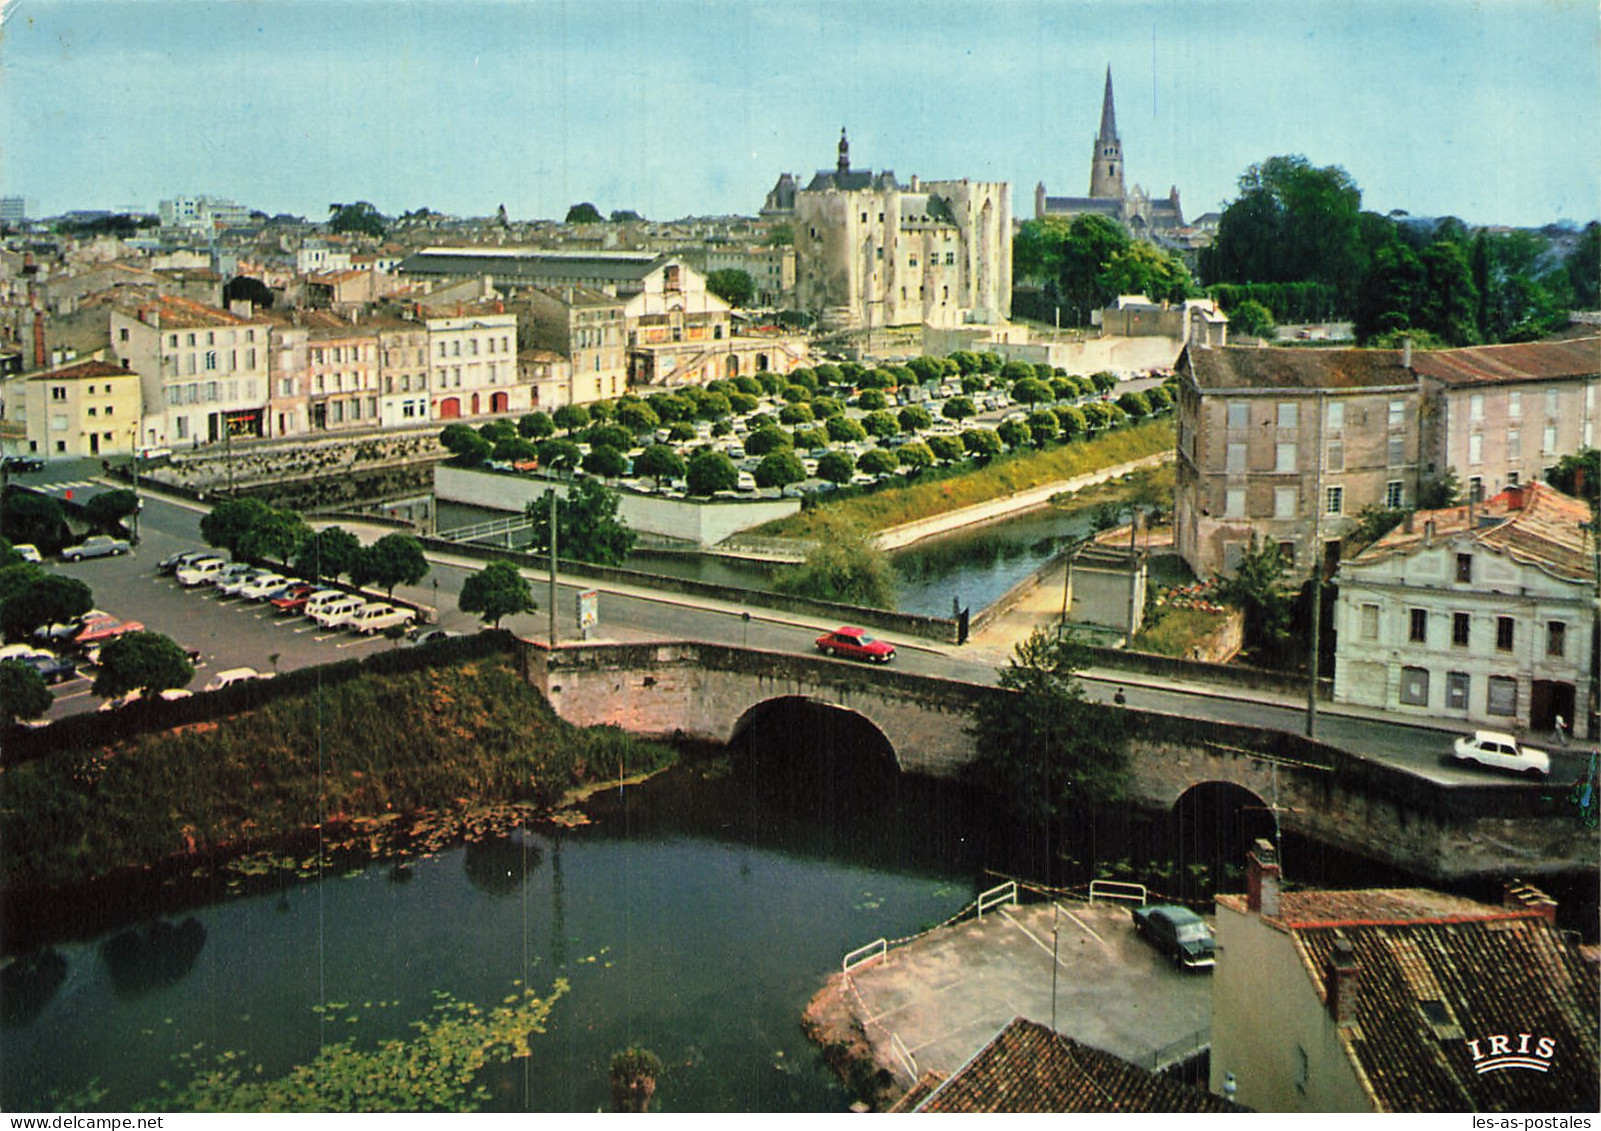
{"x":437,"y":1069}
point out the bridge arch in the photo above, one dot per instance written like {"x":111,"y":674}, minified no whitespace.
{"x":800,"y":721}
{"x":1214,"y":823}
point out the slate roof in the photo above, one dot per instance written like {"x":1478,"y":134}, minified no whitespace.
{"x":1247,"y":367}
{"x":852,"y":180}
{"x":84,"y":370}
{"x":1534,"y":525}
{"x":534,"y":267}
{"x":1523,"y":361}
{"x":1437,"y":972}
{"x":1028,"y":1068}
{"x":1105,"y":205}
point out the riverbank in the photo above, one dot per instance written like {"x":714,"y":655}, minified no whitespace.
{"x":364,"y":767}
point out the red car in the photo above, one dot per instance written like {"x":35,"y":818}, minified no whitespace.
{"x":855,"y":644}
{"x":294,"y":601}
{"x":99,"y":631}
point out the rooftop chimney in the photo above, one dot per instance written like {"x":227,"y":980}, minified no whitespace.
{"x":1526,"y":897}
{"x":1343,"y":979}
{"x":1406,"y":353}
{"x":1428,"y":531}
{"x":1262,"y":879}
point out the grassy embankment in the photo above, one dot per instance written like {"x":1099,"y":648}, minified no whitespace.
{"x":1005,"y":475}
{"x":376,"y":763}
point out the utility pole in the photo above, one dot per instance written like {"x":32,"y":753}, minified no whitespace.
{"x":1316,"y":550}
{"x":553,"y":568}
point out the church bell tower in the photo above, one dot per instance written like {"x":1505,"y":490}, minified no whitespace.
{"x":1106,"y":167}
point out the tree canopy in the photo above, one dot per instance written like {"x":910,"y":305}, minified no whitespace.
{"x":709,"y":472}
{"x":144,"y":661}
{"x":732,"y":284}
{"x":395,"y":559}
{"x":844,"y":567}
{"x":587,"y":526}
{"x":584,"y":213}
{"x":23,"y":693}
{"x":496,"y":591}
{"x":360,"y":217}
{"x":329,"y":552}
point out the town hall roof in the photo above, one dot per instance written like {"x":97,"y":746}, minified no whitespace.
{"x":1249,"y":368}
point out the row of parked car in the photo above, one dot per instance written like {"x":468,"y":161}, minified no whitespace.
{"x":330,"y":608}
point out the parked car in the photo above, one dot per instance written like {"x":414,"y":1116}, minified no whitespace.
{"x":855,"y":644}
{"x":321,"y":600}
{"x":433,"y":636}
{"x":293,"y":598}
{"x":231,"y":676}
{"x":336,"y":614}
{"x":51,"y":667}
{"x":1177,"y":932}
{"x":378,"y":616}
{"x":95,"y":546}
{"x":28,"y":552}
{"x":1497,"y":751}
{"x":66,"y":630}
{"x":19,"y":464}
{"x":235,"y":573}
{"x":203,"y":571}
{"x":172,"y":563}
{"x":262,"y":586}
{"x":98,"y":632}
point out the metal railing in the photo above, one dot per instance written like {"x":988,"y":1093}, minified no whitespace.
{"x":904,"y":1055}
{"x":491,"y":529}
{"x":1114,"y":889}
{"x":997,"y":896}
{"x":878,"y":948}
{"x":1178,"y":1051}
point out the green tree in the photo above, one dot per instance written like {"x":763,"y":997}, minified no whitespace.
{"x":982,"y":443}
{"x":709,"y":472}
{"x":230,"y":520}
{"x":1372,"y":523}
{"x":825,"y":408}
{"x":843,"y":567}
{"x":515,"y":450}
{"x":1583,"y":268}
{"x":779,"y":468}
{"x":606,"y":461}
{"x":107,"y":510}
{"x":659,"y":461}
{"x":1579,"y":475}
{"x":360,"y":218}
{"x":41,"y":599}
{"x":1144,"y":269}
{"x":1103,"y":382}
{"x":1257,"y":589}
{"x":926,"y":369}
{"x":559,"y":455}
{"x":881,"y":424}
{"x":330,"y":552}
{"x":796,"y":413}
{"x":878,"y":461}
{"x":609,"y":436}
{"x":467,"y":447}
{"x":958,"y":408}
{"x":915,"y":456}
{"x":872,"y":400}
{"x":1043,"y":426}
{"x":766,"y":439}
{"x":1252,"y":320}
{"x":276,"y":537}
{"x":1031,"y":390}
{"x":1072,"y":420}
{"x":946,"y":449}
{"x":638,"y":417}
{"x":496,"y":591}
{"x":731,"y":284}
{"x":38,"y":520}
{"x":571,"y":417}
{"x":23,"y":694}
{"x":914,"y":418}
{"x":1039,"y":249}
{"x":584,"y":213}
{"x":842,"y":429}
{"x":1135,"y":404}
{"x":836,"y":467}
{"x":1044,"y":749}
{"x":535,"y":425}
{"x":1014,"y":433}
{"x":395,"y":559}
{"x":143,"y":661}
{"x":587,"y":526}
{"x":1091,"y":243}
{"x":1439,"y":491}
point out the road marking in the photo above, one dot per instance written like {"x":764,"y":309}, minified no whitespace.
{"x":1083,"y":924}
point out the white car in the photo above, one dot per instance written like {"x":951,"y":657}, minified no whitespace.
{"x":336,"y":614}
{"x":377,"y":617}
{"x":231,"y":676}
{"x":1497,"y":751}
{"x":262,"y":586}
{"x":202,"y":572}
{"x":28,"y":552}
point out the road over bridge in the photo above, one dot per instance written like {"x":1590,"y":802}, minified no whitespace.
{"x":713,"y":692}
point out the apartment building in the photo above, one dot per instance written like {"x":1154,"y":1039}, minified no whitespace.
{"x":473,"y":357}
{"x":82,"y":408}
{"x":203,"y":370}
{"x":583,"y":326}
{"x":1288,"y":446}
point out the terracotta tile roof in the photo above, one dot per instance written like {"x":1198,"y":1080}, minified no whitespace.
{"x":1245,"y":367}
{"x":1027,"y":1067}
{"x":181,"y":313}
{"x":1427,"y":989}
{"x":1535,"y":525}
{"x":1524,"y":361}
{"x":84,"y":370}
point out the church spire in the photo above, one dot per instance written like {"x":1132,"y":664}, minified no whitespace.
{"x":1106,"y":166}
{"x":844,"y":152}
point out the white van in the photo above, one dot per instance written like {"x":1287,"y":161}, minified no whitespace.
{"x":205,"y":571}
{"x":336,"y":614}
{"x":320,"y":600}
{"x":377,"y":617}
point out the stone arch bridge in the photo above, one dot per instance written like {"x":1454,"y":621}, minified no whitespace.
{"x":710,"y":692}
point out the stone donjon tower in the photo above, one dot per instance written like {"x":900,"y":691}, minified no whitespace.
{"x":1106,"y":167}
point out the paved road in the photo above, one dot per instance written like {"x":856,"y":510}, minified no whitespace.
{"x":234,"y":633}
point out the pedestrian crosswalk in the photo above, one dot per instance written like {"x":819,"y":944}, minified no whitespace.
{"x":63,"y":486}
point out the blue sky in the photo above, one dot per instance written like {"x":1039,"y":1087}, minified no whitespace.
{"x":1486,"y":110}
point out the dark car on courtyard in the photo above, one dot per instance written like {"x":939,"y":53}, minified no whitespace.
{"x":1177,"y":932}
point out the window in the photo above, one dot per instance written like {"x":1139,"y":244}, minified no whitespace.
{"x":1234,"y":502}
{"x":1476,"y":406}
{"x":58,"y":392}
{"x":1460,"y":626}
{"x":1334,"y":500}
{"x":1397,"y":414}
{"x":1337,"y":455}
{"x":1464,"y":567}
{"x":1303,"y":1070}
{"x":1512,"y":479}
{"x":1504,"y":633}
{"x":1514,"y":444}
{"x":1239,"y":414}
{"x":1556,"y":638}
{"x":1550,"y":440}
{"x":1336,"y":414}
{"x":183,"y":427}
{"x":189,"y":339}
{"x":1419,"y":633}
{"x":1235,"y":464}
{"x":1476,"y":488}
{"x":1284,"y":457}
{"x":92,"y":411}
{"x":1397,"y":452}
{"x":1415,"y":687}
{"x":1501,"y":697}
{"x":1284,"y":499}
{"x":1394,"y":495}
{"x":1370,"y":622}
{"x":1514,"y":405}
{"x":1456,"y":691}
{"x":1476,"y":448}
{"x":1550,"y":402}
{"x":1288,"y":413}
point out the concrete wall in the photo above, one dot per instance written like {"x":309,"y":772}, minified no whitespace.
{"x":1090,"y":355}
{"x":702,"y":523}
